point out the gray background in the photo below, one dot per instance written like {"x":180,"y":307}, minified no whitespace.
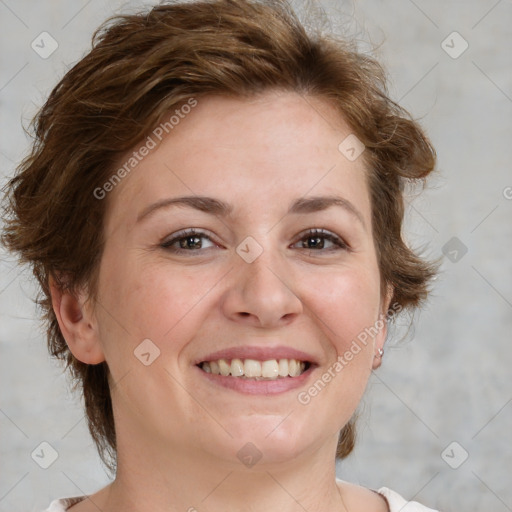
{"x":448,"y":381}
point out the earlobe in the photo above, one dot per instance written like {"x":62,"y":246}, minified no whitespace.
{"x":382,"y":334}
{"x":77,"y":324}
{"x":377,"y":359}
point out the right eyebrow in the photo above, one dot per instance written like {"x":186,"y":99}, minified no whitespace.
{"x":201,"y":203}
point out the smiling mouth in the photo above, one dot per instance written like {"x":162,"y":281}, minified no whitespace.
{"x":271,"y":369}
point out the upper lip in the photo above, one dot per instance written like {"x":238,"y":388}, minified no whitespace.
{"x":258,"y":353}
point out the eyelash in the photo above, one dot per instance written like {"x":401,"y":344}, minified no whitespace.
{"x":319,"y":233}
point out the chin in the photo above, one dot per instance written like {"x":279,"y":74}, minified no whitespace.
{"x":268,"y":439}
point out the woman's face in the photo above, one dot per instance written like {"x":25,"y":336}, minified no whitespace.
{"x":253,"y":287}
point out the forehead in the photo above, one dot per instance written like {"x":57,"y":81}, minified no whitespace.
{"x":268,"y":150}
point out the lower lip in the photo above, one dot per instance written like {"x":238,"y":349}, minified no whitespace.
{"x":258,"y":387}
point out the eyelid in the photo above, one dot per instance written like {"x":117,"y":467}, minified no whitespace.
{"x":184,"y":233}
{"x":169,"y":241}
{"x":324,"y":233}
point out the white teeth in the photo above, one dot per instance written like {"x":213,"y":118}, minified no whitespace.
{"x":283,"y":367}
{"x":271,"y":369}
{"x":237,"y":367}
{"x":224,"y":367}
{"x":293,"y":368}
{"x":214,"y":366}
{"x":252,"y":368}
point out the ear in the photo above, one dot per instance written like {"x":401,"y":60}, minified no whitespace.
{"x":380,"y":339}
{"x":77,"y":323}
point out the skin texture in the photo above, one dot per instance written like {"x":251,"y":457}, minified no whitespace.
{"x":178,"y":434}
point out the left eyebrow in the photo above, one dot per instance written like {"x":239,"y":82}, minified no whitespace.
{"x":316,"y":204}
{"x":220,"y":208}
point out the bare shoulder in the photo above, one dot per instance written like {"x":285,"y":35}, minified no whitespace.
{"x":359,"y":498}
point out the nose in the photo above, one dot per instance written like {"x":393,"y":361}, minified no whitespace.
{"x":260,"y":294}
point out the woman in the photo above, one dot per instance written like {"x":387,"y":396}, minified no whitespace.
{"x":213,"y":209}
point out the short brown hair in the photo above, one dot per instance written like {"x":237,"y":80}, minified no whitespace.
{"x":140,"y":68}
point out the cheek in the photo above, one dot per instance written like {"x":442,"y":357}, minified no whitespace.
{"x":346,"y":307}
{"x":346,"y":303}
{"x":141,"y":300}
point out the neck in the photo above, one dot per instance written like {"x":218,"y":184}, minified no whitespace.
{"x":184,"y":481}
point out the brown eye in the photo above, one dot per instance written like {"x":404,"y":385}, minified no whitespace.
{"x":186,"y":241}
{"x":315,"y":239}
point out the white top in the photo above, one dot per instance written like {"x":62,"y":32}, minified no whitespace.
{"x":395,"y":501}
